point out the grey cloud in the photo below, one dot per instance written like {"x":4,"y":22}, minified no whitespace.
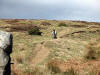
{"x":54,"y":9}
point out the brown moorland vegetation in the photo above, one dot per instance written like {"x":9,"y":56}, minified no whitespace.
{"x":75,"y":52}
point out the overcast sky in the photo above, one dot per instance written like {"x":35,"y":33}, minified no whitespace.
{"x":88,"y":10}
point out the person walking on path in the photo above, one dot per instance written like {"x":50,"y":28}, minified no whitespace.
{"x":54,"y":33}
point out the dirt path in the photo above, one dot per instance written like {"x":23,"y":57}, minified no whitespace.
{"x":41,"y":55}
{"x":42,"y":52}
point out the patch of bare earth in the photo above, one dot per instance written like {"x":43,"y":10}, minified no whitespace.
{"x":41,"y":54}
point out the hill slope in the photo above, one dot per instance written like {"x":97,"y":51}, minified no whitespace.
{"x":32,"y":51}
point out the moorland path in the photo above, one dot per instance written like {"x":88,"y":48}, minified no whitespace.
{"x":42,"y":53}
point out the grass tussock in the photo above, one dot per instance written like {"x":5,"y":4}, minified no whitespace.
{"x":19,"y":59}
{"x":34,"y":31}
{"x":45,"y":23}
{"x":93,"y":50}
{"x":94,"y":72}
{"x":53,"y":66}
{"x":62,"y":24}
{"x":70,"y":72}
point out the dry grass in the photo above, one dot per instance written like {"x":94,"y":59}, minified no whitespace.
{"x":54,"y":66}
{"x":62,"y":24}
{"x":93,"y":50}
{"x":74,"y":67}
{"x":45,"y":23}
{"x":21,"y":27}
{"x":58,"y":55}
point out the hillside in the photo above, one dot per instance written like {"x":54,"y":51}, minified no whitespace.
{"x":43,"y":55}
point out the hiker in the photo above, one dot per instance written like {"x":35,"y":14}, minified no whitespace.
{"x":54,"y":33}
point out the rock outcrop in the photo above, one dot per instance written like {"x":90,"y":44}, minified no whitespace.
{"x":5,"y":50}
